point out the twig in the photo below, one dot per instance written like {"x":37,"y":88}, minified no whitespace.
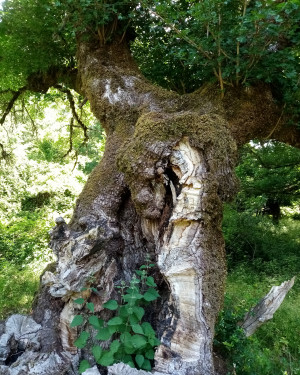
{"x":73,"y":109}
{"x":277,"y":123}
{"x":70,"y":138}
{"x":31,"y":120}
{"x":198,"y":47}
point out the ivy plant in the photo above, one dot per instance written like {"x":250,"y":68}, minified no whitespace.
{"x":131,"y":340}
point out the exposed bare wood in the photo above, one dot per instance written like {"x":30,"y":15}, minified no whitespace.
{"x":266,"y":308}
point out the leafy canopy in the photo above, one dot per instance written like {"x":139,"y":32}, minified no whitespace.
{"x":178,"y":44}
{"x":234,"y":42}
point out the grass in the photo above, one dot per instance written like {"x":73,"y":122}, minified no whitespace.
{"x":260,"y":255}
{"x":18,"y":287}
{"x":274,"y":349}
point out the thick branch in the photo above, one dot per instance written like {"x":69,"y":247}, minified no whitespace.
{"x":254,"y":113}
{"x":266,"y":308}
{"x":115,"y":87}
{"x":11,"y":103}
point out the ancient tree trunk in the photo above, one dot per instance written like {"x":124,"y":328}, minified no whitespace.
{"x":158,"y":190}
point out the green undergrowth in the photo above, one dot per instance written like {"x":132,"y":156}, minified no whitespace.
{"x":261,"y":254}
{"x":274,"y":349}
{"x":18,"y":287}
{"x":126,"y":337}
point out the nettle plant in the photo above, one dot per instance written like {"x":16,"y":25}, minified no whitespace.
{"x":131,"y":340}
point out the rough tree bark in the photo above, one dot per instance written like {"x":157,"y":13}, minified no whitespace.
{"x":167,"y":169}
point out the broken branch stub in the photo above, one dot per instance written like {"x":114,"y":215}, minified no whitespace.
{"x":266,"y":307}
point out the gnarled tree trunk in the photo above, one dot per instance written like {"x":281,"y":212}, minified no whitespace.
{"x":167,"y":169}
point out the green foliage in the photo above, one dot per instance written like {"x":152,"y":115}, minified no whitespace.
{"x":234,"y":42}
{"x":178,"y":44}
{"x":269,"y":171}
{"x":230,"y":340}
{"x":18,"y":286}
{"x":90,"y":15}
{"x":262,"y":253}
{"x":257,"y":240}
{"x":28,"y":26}
{"x":38,"y":184}
{"x":274,"y":348}
{"x":132,"y":341}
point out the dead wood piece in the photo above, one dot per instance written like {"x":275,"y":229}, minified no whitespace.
{"x":266,"y":307}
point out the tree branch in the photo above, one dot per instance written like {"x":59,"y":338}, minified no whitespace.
{"x":70,"y":138}
{"x":73,"y":109}
{"x":11,"y":103}
{"x":4,"y":153}
{"x":272,"y":166}
{"x":198,"y":47}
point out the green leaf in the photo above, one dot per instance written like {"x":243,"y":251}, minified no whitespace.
{"x":94,"y":290}
{"x":148,"y":330}
{"x":111,"y":305}
{"x":127,"y":342}
{"x":113,"y":329}
{"x":150,"y":354}
{"x":103,"y":334}
{"x":138,"y":341}
{"x":106,"y":359}
{"x":96,"y":322}
{"x":151,"y":295}
{"x":79,"y":301}
{"x":84,"y":365}
{"x":127,"y":358}
{"x":139,"y":358}
{"x":137,"y":329}
{"x":129,"y":349}
{"x":77,"y":321}
{"x":139,"y":312}
{"x":115,"y":321}
{"x":146,"y":365}
{"x":153,"y":341}
{"x":150,"y":281}
{"x":125,"y":337}
{"x":129,"y":310}
{"x":82,"y":339}
{"x":114,"y":346}
{"x":123,"y":312}
{"x":90,"y":306}
{"x":97,"y":352}
{"x":133,"y":319}
{"x":132,"y":297}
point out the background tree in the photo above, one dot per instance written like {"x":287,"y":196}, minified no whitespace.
{"x":269,"y":174}
{"x":169,"y":158}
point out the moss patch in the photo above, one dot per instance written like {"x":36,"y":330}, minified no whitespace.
{"x":144,"y":156}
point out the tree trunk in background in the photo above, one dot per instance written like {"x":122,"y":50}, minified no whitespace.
{"x":158,"y":191}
